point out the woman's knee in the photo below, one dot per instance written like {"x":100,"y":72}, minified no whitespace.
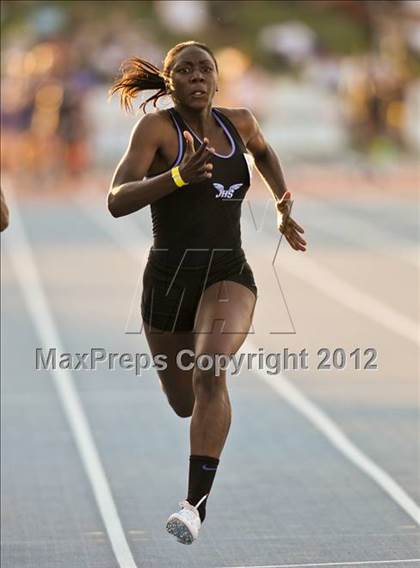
{"x":177,"y":386}
{"x":182,"y":410}
{"x":183,"y":407}
{"x":209,"y":376}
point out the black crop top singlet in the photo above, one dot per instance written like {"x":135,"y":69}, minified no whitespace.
{"x":203,"y":216}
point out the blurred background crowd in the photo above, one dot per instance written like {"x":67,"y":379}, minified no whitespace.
{"x":331,"y":81}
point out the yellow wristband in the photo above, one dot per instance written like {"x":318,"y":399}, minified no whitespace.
{"x":176,"y":176}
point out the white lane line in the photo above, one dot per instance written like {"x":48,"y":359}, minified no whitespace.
{"x":21,"y":256}
{"x":304,"y":406}
{"x":363,"y":233}
{"x":316,"y":275}
{"x":361,"y":563}
{"x":282,"y":386}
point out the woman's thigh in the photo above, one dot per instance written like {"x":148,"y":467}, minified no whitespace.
{"x":222,"y":322}
{"x":176,"y":382}
{"x":223,"y":318}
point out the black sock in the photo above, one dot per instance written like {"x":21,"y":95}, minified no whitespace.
{"x":201,"y":477}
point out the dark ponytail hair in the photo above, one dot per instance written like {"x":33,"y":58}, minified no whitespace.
{"x":140,"y":75}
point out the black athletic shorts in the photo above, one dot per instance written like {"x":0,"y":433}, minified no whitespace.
{"x":172,"y":294}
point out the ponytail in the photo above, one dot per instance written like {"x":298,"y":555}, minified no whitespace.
{"x":138,"y":75}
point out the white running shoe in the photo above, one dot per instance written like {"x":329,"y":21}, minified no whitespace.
{"x":185,"y":524}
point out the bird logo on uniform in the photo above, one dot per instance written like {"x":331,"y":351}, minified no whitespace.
{"x":226,"y":192}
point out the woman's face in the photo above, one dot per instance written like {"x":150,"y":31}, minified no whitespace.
{"x":193,"y":78}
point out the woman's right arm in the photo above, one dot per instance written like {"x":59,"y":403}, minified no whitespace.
{"x":4,"y":213}
{"x":129,"y":192}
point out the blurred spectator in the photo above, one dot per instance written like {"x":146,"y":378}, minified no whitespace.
{"x":182,"y":15}
{"x":294,"y":41}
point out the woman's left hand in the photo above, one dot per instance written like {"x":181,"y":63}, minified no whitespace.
{"x":287,"y":226}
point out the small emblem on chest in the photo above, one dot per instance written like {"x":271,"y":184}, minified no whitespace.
{"x":226,"y":192}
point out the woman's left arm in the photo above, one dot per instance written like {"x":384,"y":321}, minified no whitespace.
{"x":268,"y":164}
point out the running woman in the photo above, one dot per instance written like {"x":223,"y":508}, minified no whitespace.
{"x":192,"y":164}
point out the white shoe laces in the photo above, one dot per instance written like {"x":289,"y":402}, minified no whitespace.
{"x":186,"y":505}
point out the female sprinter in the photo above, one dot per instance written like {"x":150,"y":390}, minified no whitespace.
{"x":191,"y":164}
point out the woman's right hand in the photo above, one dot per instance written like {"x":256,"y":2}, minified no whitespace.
{"x":195,"y":166}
